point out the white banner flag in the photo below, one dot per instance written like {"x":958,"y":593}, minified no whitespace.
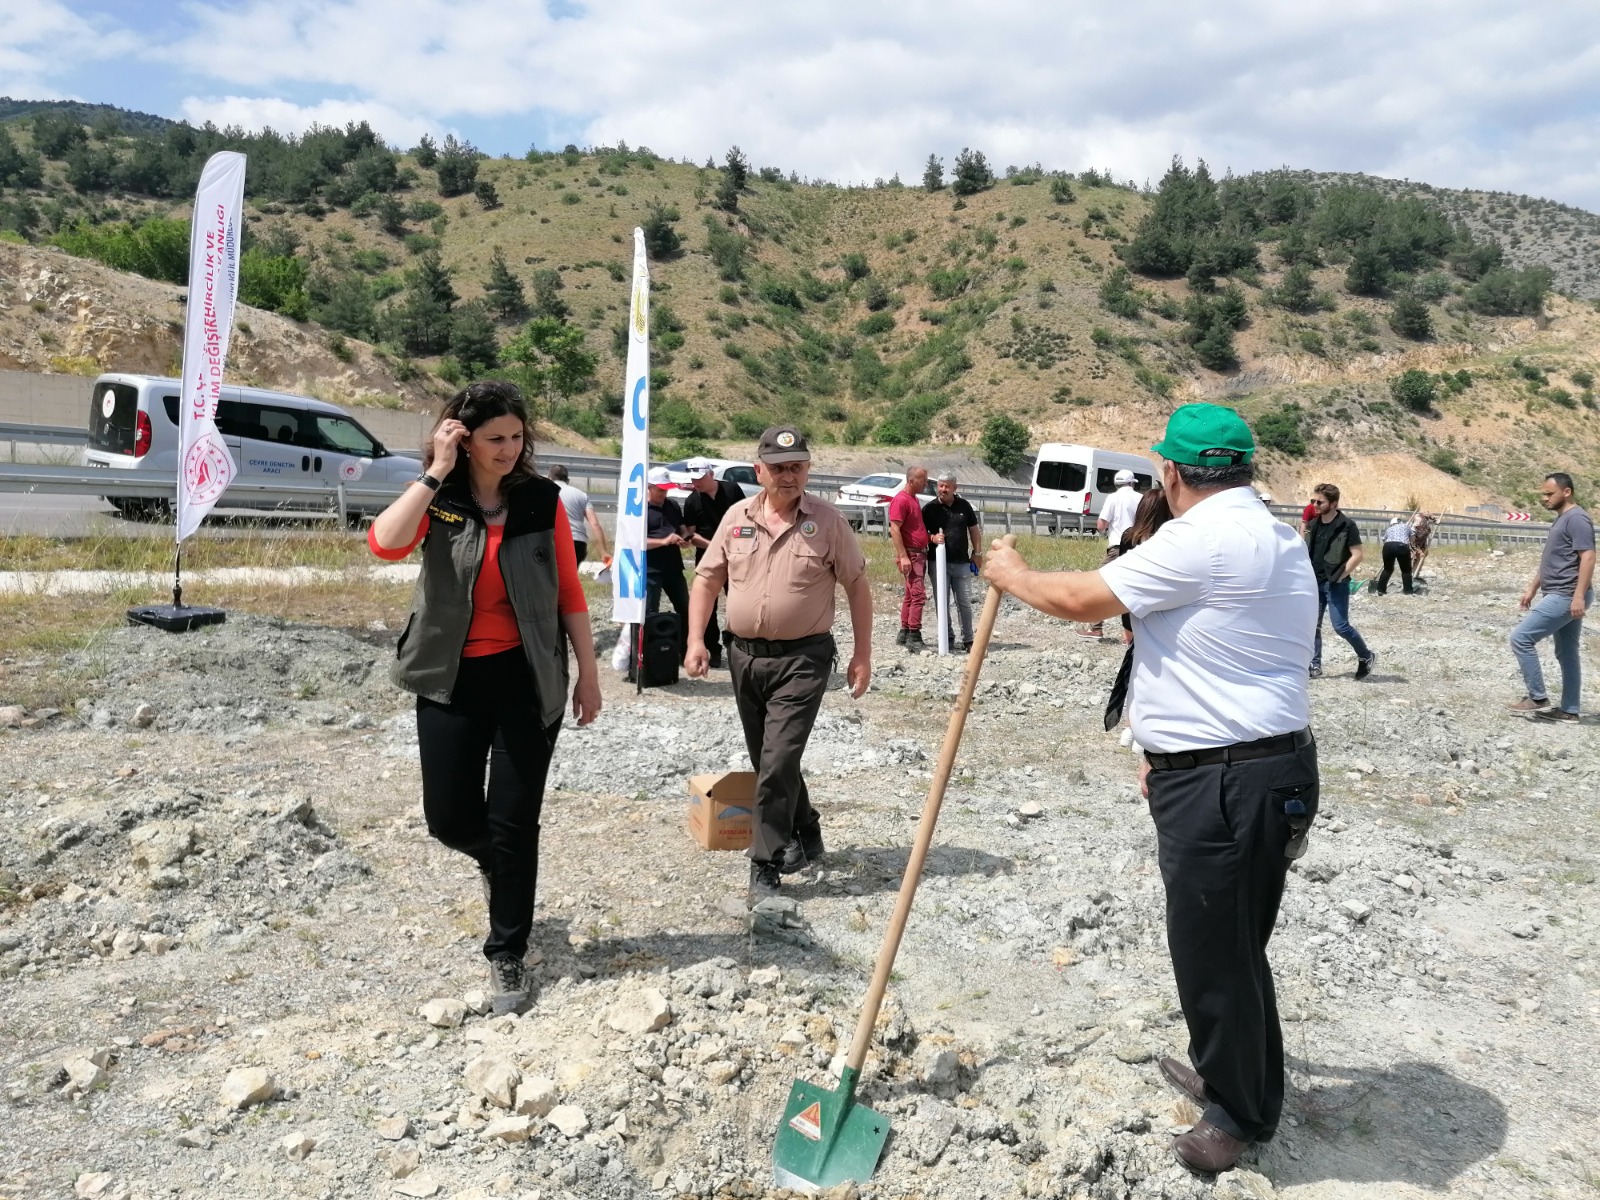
{"x":205,"y":468}
{"x":627,"y":567}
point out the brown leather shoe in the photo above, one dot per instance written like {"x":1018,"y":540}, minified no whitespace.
{"x":1207,"y":1148}
{"x":1185,"y":1078}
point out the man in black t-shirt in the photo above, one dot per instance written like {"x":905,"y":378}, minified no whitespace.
{"x":1334,"y":543}
{"x":665,"y":536}
{"x":952,"y":522}
{"x":708,"y":503}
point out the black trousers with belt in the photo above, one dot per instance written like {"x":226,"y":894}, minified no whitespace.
{"x":1395,"y":554}
{"x":778,"y":697}
{"x":493,"y":720}
{"x":1221,"y":833}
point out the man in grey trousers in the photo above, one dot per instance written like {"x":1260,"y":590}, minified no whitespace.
{"x":1566,"y":577}
{"x":953,"y":523}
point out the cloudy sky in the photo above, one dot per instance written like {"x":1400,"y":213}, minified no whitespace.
{"x":1466,"y":93}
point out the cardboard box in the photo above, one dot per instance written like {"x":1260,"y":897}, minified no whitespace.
{"x":721,"y":809}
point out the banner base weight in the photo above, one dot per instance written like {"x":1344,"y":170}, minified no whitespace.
{"x":176,"y":618}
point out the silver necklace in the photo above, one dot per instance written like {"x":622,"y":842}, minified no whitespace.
{"x":488,"y":512}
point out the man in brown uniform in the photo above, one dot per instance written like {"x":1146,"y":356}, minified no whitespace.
{"x":782,"y":553}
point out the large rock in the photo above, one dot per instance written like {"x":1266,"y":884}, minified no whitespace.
{"x":297,"y":1146}
{"x":494,"y":1077}
{"x":83,"y":1076}
{"x":509,"y":1129}
{"x":394,"y":1128}
{"x":569,"y":1119}
{"x":536,"y":1097}
{"x":245,"y":1086}
{"x":444,"y":1013}
{"x":639,"y":1012}
{"x":158,"y":844}
{"x":11,"y":715}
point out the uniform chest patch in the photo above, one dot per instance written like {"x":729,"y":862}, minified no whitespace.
{"x":445,"y":515}
{"x":808,"y":528}
{"x":744,"y":531}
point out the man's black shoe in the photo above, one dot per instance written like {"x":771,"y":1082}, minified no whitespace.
{"x":811,"y":841}
{"x":764,"y":880}
{"x":900,"y":638}
{"x":794,"y":858}
{"x":803,"y":849}
{"x":914,"y":641}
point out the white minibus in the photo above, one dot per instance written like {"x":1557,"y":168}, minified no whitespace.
{"x":1075,"y":480}
{"x":274,"y":438}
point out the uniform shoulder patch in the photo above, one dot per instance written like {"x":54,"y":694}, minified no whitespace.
{"x":808,"y":528}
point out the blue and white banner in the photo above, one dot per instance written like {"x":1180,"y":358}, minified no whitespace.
{"x":205,"y":467}
{"x":627,"y":566}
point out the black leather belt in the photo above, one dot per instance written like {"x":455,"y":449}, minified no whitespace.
{"x":769,"y":648}
{"x":1283,"y":743}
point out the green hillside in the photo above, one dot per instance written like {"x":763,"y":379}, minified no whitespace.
{"x":890,"y":315}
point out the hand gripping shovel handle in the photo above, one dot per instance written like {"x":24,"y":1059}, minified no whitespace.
{"x":924,"y":839}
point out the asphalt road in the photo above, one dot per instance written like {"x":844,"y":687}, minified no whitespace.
{"x":90,"y":516}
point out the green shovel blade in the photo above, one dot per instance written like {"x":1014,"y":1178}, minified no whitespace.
{"x":826,"y":1138}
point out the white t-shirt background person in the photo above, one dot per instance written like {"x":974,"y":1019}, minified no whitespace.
{"x":1118,"y":513}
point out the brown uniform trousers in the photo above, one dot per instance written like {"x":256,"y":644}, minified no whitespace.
{"x":778,"y":696}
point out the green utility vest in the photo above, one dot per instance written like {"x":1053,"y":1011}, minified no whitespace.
{"x":428,"y":655}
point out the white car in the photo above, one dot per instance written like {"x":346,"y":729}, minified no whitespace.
{"x":877,"y":489}
{"x":742,"y":473}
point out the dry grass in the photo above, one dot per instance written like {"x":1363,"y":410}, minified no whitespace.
{"x":251,"y":547}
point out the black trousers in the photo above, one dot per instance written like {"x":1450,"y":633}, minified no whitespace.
{"x":1221,"y":834}
{"x":778,"y":699}
{"x":493,"y":720}
{"x":581,"y":549}
{"x":1395,"y":554}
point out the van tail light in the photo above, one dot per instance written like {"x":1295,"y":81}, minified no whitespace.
{"x":141,"y":434}
{"x":1086,"y":498}
{"x":1030,"y":496}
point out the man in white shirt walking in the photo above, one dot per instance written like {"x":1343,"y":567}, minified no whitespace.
{"x":1116,"y":518}
{"x":580,"y":514}
{"x":1224,"y":607}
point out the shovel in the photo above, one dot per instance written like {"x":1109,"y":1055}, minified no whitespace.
{"x":825,"y":1136}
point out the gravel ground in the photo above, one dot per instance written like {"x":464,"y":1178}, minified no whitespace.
{"x":233,"y":963}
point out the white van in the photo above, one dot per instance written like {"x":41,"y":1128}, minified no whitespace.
{"x":1075,"y":480}
{"x":273,"y":436}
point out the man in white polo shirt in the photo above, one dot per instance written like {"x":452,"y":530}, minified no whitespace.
{"x":1224,"y":609}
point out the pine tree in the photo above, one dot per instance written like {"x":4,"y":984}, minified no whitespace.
{"x":972,"y":173}
{"x":933,"y":174}
{"x":1409,"y":318}
{"x":472,"y":339}
{"x":426,"y":152}
{"x":546,"y":303}
{"x":1368,"y":273}
{"x":661,"y":239}
{"x":422,"y":321}
{"x":1215,"y":348}
{"x":503,"y":291}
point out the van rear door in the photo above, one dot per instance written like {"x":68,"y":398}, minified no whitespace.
{"x":113,"y":417}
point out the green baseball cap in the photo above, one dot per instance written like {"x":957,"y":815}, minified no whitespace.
{"x":1206,"y":435}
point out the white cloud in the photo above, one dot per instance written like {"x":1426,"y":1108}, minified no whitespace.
{"x":36,"y":36}
{"x":249,"y":112}
{"x":1461,"y":92}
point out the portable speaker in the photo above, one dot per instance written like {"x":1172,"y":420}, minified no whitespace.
{"x":663,"y":649}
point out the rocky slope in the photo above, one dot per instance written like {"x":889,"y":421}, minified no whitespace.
{"x":65,"y":314}
{"x":233,"y":961}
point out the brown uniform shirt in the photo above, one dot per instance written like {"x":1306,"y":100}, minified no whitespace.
{"x":781,"y":575}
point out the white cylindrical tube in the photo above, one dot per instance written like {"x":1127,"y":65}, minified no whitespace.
{"x":941,"y":591}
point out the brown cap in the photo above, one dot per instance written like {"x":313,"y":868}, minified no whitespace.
{"x":783,"y":444}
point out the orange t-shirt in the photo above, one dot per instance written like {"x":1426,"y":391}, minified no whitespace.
{"x":494,"y":622}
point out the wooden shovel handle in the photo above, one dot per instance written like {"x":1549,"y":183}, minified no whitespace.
{"x":924,"y":838}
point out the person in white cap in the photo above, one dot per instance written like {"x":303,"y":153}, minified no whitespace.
{"x":709,"y":500}
{"x":1116,"y":518}
{"x":665,"y":537}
